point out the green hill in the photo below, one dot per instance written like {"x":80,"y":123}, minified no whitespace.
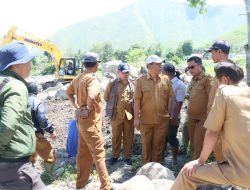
{"x":237,"y":38}
{"x":146,"y":22}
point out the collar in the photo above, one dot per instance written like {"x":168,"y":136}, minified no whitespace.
{"x":120,"y":81}
{"x":14,"y":75}
{"x":200,"y":76}
{"x":150,"y":77}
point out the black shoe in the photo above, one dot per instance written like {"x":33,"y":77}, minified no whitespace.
{"x":112,"y":161}
{"x":128,"y":161}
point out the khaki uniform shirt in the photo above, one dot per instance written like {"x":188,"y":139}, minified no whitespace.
{"x":124,"y":98}
{"x":154,"y":97}
{"x":82,"y":86}
{"x":212,"y":95}
{"x":230,"y":115}
{"x":200,"y":87}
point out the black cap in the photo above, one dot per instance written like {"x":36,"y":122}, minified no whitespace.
{"x":168,"y":67}
{"x":32,"y":88}
{"x":123,"y":67}
{"x":220,"y":44}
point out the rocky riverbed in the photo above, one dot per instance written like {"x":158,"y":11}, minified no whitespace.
{"x":60,"y":112}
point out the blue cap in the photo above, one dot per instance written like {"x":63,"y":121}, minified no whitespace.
{"x":14,"y":53}
{"x":220,"y":44}
{"x":123,"y":67}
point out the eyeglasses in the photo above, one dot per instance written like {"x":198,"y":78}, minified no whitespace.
{"x":192,"y":67}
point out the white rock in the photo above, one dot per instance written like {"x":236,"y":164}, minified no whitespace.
{"x":61,"y":93}
{"x":112,"y":66}
{"x":156,"y":171}
{"x":42,"y":96}
{"x":139,"y":182}
{"x":162,"y":184}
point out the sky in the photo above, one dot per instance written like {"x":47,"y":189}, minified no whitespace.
{"x":44,"y":17}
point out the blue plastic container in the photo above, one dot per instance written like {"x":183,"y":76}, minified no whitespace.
{"x":72,"y":141}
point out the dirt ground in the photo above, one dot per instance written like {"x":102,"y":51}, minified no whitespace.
{"x":59,"y":113}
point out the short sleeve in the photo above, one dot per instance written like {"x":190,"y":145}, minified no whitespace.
{"x":70,"y":89}
{"x":138,"y":92}
{"x":180,"y":93}
{"x":107,"y":92}
{"x":93,"y":87}
{"x":209,"y":84}
{"x":216,"y":116}
{"x":171,"y":90}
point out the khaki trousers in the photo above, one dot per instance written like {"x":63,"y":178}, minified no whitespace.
{"x":196,"y":133}
{"x":153,"y":137}
{"x":207,"y":174}
{"x":44,"y":150}
{"x":122,"y":131}
{"x":91,"y":150}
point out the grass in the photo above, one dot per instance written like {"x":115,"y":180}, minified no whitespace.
{"x":68,"y":175}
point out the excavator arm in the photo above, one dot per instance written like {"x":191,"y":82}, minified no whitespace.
{"x":19,"y":35}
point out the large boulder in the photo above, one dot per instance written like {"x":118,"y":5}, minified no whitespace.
{"x":162,"y":184}
{"x":112,"y":66}
{"x":139,"y":182}
{"x":156,"y":171}
{"x":61,"y":92}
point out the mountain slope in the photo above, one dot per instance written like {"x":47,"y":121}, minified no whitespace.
{"x":237,"y":38}
{"x":146,"y":22}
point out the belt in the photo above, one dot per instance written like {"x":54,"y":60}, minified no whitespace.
{"x":23,"y":159}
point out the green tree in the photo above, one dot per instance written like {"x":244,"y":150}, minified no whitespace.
{"x":48,"y":56}
{"x":121,"y":55}
{"x":108,"y":52}
{"x":178,"y":51}
{"x":105,"y":51}
{"x":136,"y":56}
{"x":79,"y":55}
{"x":155,"y":49}
{"x":187,"y":48}
{"x":170,"y":54}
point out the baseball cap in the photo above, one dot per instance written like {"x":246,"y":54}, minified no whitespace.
{"x":32,"y":88}
{"x":123,"y":67}
{"x":168,"y":67}
{"x":220,"y":44}
{"x":154,"y":59}
{"x":14,"y":53}
{"x":91,"y":57}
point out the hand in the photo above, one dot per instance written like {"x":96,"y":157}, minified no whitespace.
{"x":190,"y":168}
{"x":53,"y":135}
{"x":82,"y":112}
{"x":137,"y":124}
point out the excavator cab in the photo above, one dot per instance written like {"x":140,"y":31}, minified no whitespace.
{"x":69,"y":68}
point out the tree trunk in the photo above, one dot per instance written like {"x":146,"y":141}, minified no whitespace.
{"x":247,"y":4}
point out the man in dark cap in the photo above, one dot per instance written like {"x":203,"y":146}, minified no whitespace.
{"x":229,"y":120}
{"x":119,"y":97}
{"x":17,"y":136}
{"x":88,"y":107}
{"x":219,"y":52}
{"x":177,"y":101}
